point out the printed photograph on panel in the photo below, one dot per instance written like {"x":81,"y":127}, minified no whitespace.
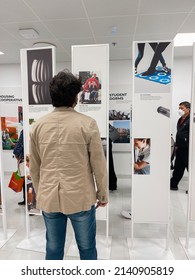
{"x":119,"y":131}
{"x":39,"y":64}
{"x":119,"y":115}
{"x":9,"y":130}
{"x":20,"y":115}
{"x":91,"y":87}
{"x":152,"y":66}
{"x":142,"y":156}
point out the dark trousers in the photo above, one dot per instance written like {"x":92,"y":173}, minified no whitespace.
{"x":181,"y":162}
{"x":112,"y":174}
{"x":158,"y":52}
{"x":141,"y":47}
{"x":24,"y":191}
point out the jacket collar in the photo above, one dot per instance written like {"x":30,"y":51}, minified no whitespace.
{"x":63,"y":108}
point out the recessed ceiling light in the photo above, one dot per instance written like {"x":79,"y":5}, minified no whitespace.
{"x":29,"y":33}
{"x":114,"y":30}
{"x":1,"y":53}
{"x":184,"y":39}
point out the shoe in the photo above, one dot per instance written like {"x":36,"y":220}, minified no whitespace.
{"x":166,"y":69}
{"x":174,"y":188}
{"x":186,"y":192}
{"x":147,"y":73}
{"x":126,"y":214}
{"x":21,"y":203}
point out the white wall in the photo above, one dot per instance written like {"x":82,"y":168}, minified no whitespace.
{"x":121,"y":74}
{"x":182,"y":77}
{"x":10,"y":75}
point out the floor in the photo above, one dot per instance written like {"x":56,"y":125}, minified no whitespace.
{"x":146,"y":236}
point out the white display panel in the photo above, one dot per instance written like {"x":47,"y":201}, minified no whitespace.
{"x":10,"y":127}
{"x":93,"y":60}
{"x":151,"y":134}
{"x":191,"y":191}
{"x":38,"y":68}
{"x":88,"y":60}
{"x":10,"y":108}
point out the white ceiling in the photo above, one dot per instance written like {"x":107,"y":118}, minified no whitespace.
{"x":77,"y":22}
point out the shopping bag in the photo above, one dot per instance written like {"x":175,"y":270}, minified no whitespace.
{"x":16,"y":182}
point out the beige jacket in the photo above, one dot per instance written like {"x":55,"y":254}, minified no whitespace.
{"x":65,"y":152}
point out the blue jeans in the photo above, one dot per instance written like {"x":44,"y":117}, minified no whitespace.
{"x":84,"y":225}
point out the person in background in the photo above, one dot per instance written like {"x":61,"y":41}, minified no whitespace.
{"x":6,"y":138}
{"x":181,"y":145}
{"x":31,"y":201}
{"x":112,"y":174}
{"x":113,"y":135}
{"x":69,"y":175}
{"x":19,"y":155}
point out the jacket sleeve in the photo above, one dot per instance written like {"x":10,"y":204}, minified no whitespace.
{"x":35,"y":162}
{"x":98,"y":163}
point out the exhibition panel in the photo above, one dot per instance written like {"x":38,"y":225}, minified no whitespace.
{"x":151,"y":132}
{"x":37,"y":69}
{"x":191,"y":189}
{"x":9,"y":127}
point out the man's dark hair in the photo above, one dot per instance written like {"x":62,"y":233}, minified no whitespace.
{"x":186,"y":104}
{"x":64,"y":87}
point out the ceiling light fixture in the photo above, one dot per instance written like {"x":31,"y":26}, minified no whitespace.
{"x":1,"y":53}
{"x":29,"y":33}
{"x":43,"y":44}
{"x":184,"y":39}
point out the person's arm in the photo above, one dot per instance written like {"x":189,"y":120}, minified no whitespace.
{"x":140,"y":165}
{"x":98,"y":164}
{"x":35,"y":163}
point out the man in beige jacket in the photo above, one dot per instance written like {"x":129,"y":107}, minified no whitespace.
{"x":68,"y":170}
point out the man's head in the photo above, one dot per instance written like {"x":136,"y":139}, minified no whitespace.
{"x":64,"y":89}
{"x":184,"y":108}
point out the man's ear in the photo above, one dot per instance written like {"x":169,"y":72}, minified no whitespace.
{"x":75,"y":101}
